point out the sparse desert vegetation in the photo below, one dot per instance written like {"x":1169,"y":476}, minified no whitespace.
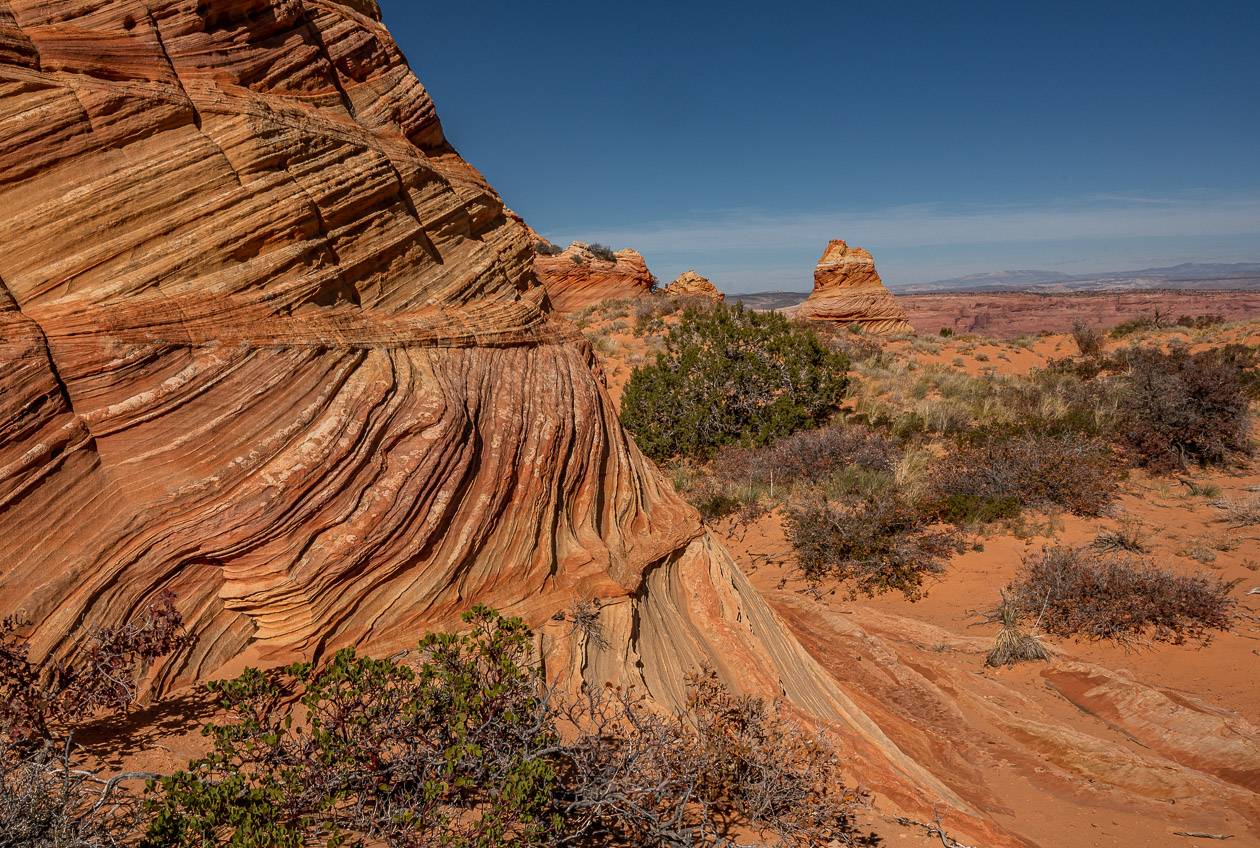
{"x":464,"y":744}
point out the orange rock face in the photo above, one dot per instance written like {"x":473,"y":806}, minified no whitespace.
{"x":577,"y":278}
{"x":691,"y":284}
{"x":269,"y":343}
{"x":848,"y":290}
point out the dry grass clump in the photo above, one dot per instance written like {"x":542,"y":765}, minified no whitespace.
{"x":1012,"y":644}
{"x":1127,"y":536}
{"x":878,"y":545}
{"x":1240,"y":513}
{"x":1097,"y":595}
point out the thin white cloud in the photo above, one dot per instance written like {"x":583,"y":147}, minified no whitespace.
{"x":754,"y":249}
{"x":924,"y":225}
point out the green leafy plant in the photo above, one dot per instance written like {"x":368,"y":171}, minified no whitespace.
{"x":730,"y":375}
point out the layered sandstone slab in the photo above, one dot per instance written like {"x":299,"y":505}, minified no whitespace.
{"x":691,"y":284}
{"x":848,"y":290}
{"x":577,"y":277}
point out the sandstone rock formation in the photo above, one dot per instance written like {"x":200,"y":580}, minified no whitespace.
{"x":691,"y":284}
{"x":848,"y":290}
{"x":268,"y":342}
{"x":577,"y":278}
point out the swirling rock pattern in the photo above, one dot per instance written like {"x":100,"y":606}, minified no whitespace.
{"x":692,"y":284}
{"x":576,"y":278}
{"x":269,"y":343}
{"x":848,"y":290}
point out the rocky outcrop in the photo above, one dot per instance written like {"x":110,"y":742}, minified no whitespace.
{"x":848,"y":290}
{"x":268,"y":342}
{"x":691,"y":284}
{"x":578,"y":277}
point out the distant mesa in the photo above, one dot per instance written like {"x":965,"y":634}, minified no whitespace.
{"x":848,"y":290}
{"x":585,"y":274}
{"x":692,"y":284}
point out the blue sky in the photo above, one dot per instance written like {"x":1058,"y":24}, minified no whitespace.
{"x":948,"y":138}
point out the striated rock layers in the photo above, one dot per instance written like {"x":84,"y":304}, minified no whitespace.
{"x":268,"y":342}
{"x":577,"y":277}
{"x":691,"y":284}
{"x":848,"y":290}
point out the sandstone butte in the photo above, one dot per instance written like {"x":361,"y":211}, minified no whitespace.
{"x":848,"y":290}
{"x":576,"y":278}
{"x":691,"y":284}
{"x":269,"y":343}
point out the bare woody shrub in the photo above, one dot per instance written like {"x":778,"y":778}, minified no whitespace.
{"x":1089,"y":340}
{"x":997,"y":478}
{"x":810,"y":455}
{"x":1098,"y":595}
{"x":48,"y":799}
{"x":879,"y":545}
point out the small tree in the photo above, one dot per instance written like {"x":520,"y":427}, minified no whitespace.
{"x":729,"y":375}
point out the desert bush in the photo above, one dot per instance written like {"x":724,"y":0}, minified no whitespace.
{"x":998,"y":478}
{"x":1089,"y":340}
{"x":1180,"y":407}
{"x":48,"y":799}
{"x":1097,"y":595}
{"x":649,"y":313}
{"x":946,"y":332}
{"x":1157,"y":319}
{"x":39,"y":704}
{"x":1200,"y":322}
{"x":469,"y":747}
{"x":546,"y":248}
{"x":729,"y":375}
{"x":602,"y":251}
{"x":879,"y":545}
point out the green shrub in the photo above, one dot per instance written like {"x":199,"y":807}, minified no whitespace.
{"x":1155,"y":320}
{"x":729,"y":375}
{"x":470,"y":748}
{"x":546,"y":248}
